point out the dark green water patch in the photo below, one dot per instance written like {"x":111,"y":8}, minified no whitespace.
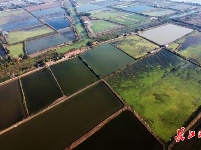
{"x":73,"y":75}
{"x":66,"y":122}
{"x":2,"y":52}
{"x":11,"y":107}
{"x":40,"y":90}
{"x":124,"y":132}
{"x":105,"y":59}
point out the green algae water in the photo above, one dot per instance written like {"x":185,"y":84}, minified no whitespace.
{"x":165,"y":82}
{"x":105,"y":59}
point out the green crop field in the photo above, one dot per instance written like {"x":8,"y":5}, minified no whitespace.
{"x":135,"y":46}
{"x":16,"y":50}
{"x":163,"y":88}
{"x":18,"y":36}
{"x":101,"y":26}
{"x":130,"y":19}
{"x":189,"y":46}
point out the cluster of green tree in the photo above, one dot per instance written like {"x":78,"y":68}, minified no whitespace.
{"x":10,"y":66}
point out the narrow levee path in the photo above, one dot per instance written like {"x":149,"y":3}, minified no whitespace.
{"x":95,"y":129}
{"x":23,"y":97}
{"x":56,"y":81}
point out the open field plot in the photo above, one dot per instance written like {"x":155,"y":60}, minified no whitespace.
{"x":194,"y":19}
{"x":105,"y":59}
{"x":131,"y":19}
{"x":108,"y":14}
{"x":124,"y":130}
{"x":189,"y":46}
{"x":193,"y":143}
{"x":13,"y":12}
{"x":102,"y":26}
{"x":161,"y":35}
{"x":182,"y":7}
{"x":22,"y":35}
{"x":15,"y":17}
{"x":42,"y":6}
{"x":87,"y":7}
{"x":40,"y":90}
{"x":163,"y":88}
{"x":20,"y":24}
{"x":45,"y":43}
{"x":135,"y":46}
{"x":16,"y":50}
{"x":11,"y":107}
{"x":49,"y":12}
{"x":158,"y":12}
{"x":58,"y":23}
{"x":138,"y":8}
{"x":69,"y":77}
{"x":63,"y":124}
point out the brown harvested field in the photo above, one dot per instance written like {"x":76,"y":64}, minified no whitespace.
{"x":42,"y":6}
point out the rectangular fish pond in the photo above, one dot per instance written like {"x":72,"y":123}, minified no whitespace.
{"x":123,"y":132}
{"x":73,"y":75}
{"x":45,"y":43}
{"x":138,"y":9}
{"x":44,"y":13}
{"x":22,"y":35}
{"x":60,"y":126}
{"x":20,"y":24}
{"x":105,"y":59}
{"x":58,"y":22}
{"x":11,"y":106}
{"x":161,"y":36}
{"x":40,"y":90}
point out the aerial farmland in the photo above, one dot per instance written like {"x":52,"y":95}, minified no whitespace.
{"x":100,"y":75}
